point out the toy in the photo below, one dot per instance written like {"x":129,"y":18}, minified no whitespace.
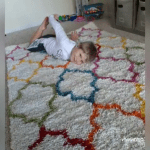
{"x":64,"y":18}
{"x":80,"y":19}
{"x":94,"y":11}
{"x":67,"y":17}
{"x":73,"y":17}
{"x":90,"y":18}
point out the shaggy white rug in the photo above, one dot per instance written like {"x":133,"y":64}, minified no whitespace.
{"x":57,"y":105}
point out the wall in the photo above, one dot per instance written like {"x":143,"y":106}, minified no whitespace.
{"x":23,"y":14}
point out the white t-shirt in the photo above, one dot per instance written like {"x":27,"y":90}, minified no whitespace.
{"x":61,"y":46}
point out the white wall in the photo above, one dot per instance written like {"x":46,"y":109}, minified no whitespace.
{"x":23,"y":14}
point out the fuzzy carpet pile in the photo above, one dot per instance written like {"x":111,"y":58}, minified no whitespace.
{"x":58,"y":105}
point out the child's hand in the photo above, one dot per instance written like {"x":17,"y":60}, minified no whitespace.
{"x":74,"y":36}
{"x":56,"y":17}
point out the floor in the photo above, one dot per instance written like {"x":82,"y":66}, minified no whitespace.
{"x":24,"y":36}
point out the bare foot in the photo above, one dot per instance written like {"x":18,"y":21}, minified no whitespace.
{"x":44,"y":24}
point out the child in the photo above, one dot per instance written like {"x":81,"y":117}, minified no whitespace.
{"x":60,"y":46}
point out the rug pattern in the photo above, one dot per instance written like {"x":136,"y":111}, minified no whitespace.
{"x":55,"y":104}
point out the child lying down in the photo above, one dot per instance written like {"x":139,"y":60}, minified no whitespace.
{"x":59,"y":45}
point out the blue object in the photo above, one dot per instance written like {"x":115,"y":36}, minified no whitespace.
{"x":72,"y":18}
{"x":94,"y":11}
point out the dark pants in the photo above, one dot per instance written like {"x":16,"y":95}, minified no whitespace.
{"x":40,"y":47}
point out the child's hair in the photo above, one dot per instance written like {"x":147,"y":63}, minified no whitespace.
{"x":90,"y":49}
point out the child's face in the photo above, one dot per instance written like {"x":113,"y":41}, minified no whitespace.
{"x":78,"y":56}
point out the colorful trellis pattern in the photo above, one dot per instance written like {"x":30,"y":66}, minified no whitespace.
{"x":55,"y":104}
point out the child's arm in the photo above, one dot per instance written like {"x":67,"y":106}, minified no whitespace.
{"x":59,"y":31}
{"x":74,"y":36}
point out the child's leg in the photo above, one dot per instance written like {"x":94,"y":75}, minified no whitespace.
{"x":48,"y":36}
{"x":38,"y":46}
{"x":40,"y":30}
